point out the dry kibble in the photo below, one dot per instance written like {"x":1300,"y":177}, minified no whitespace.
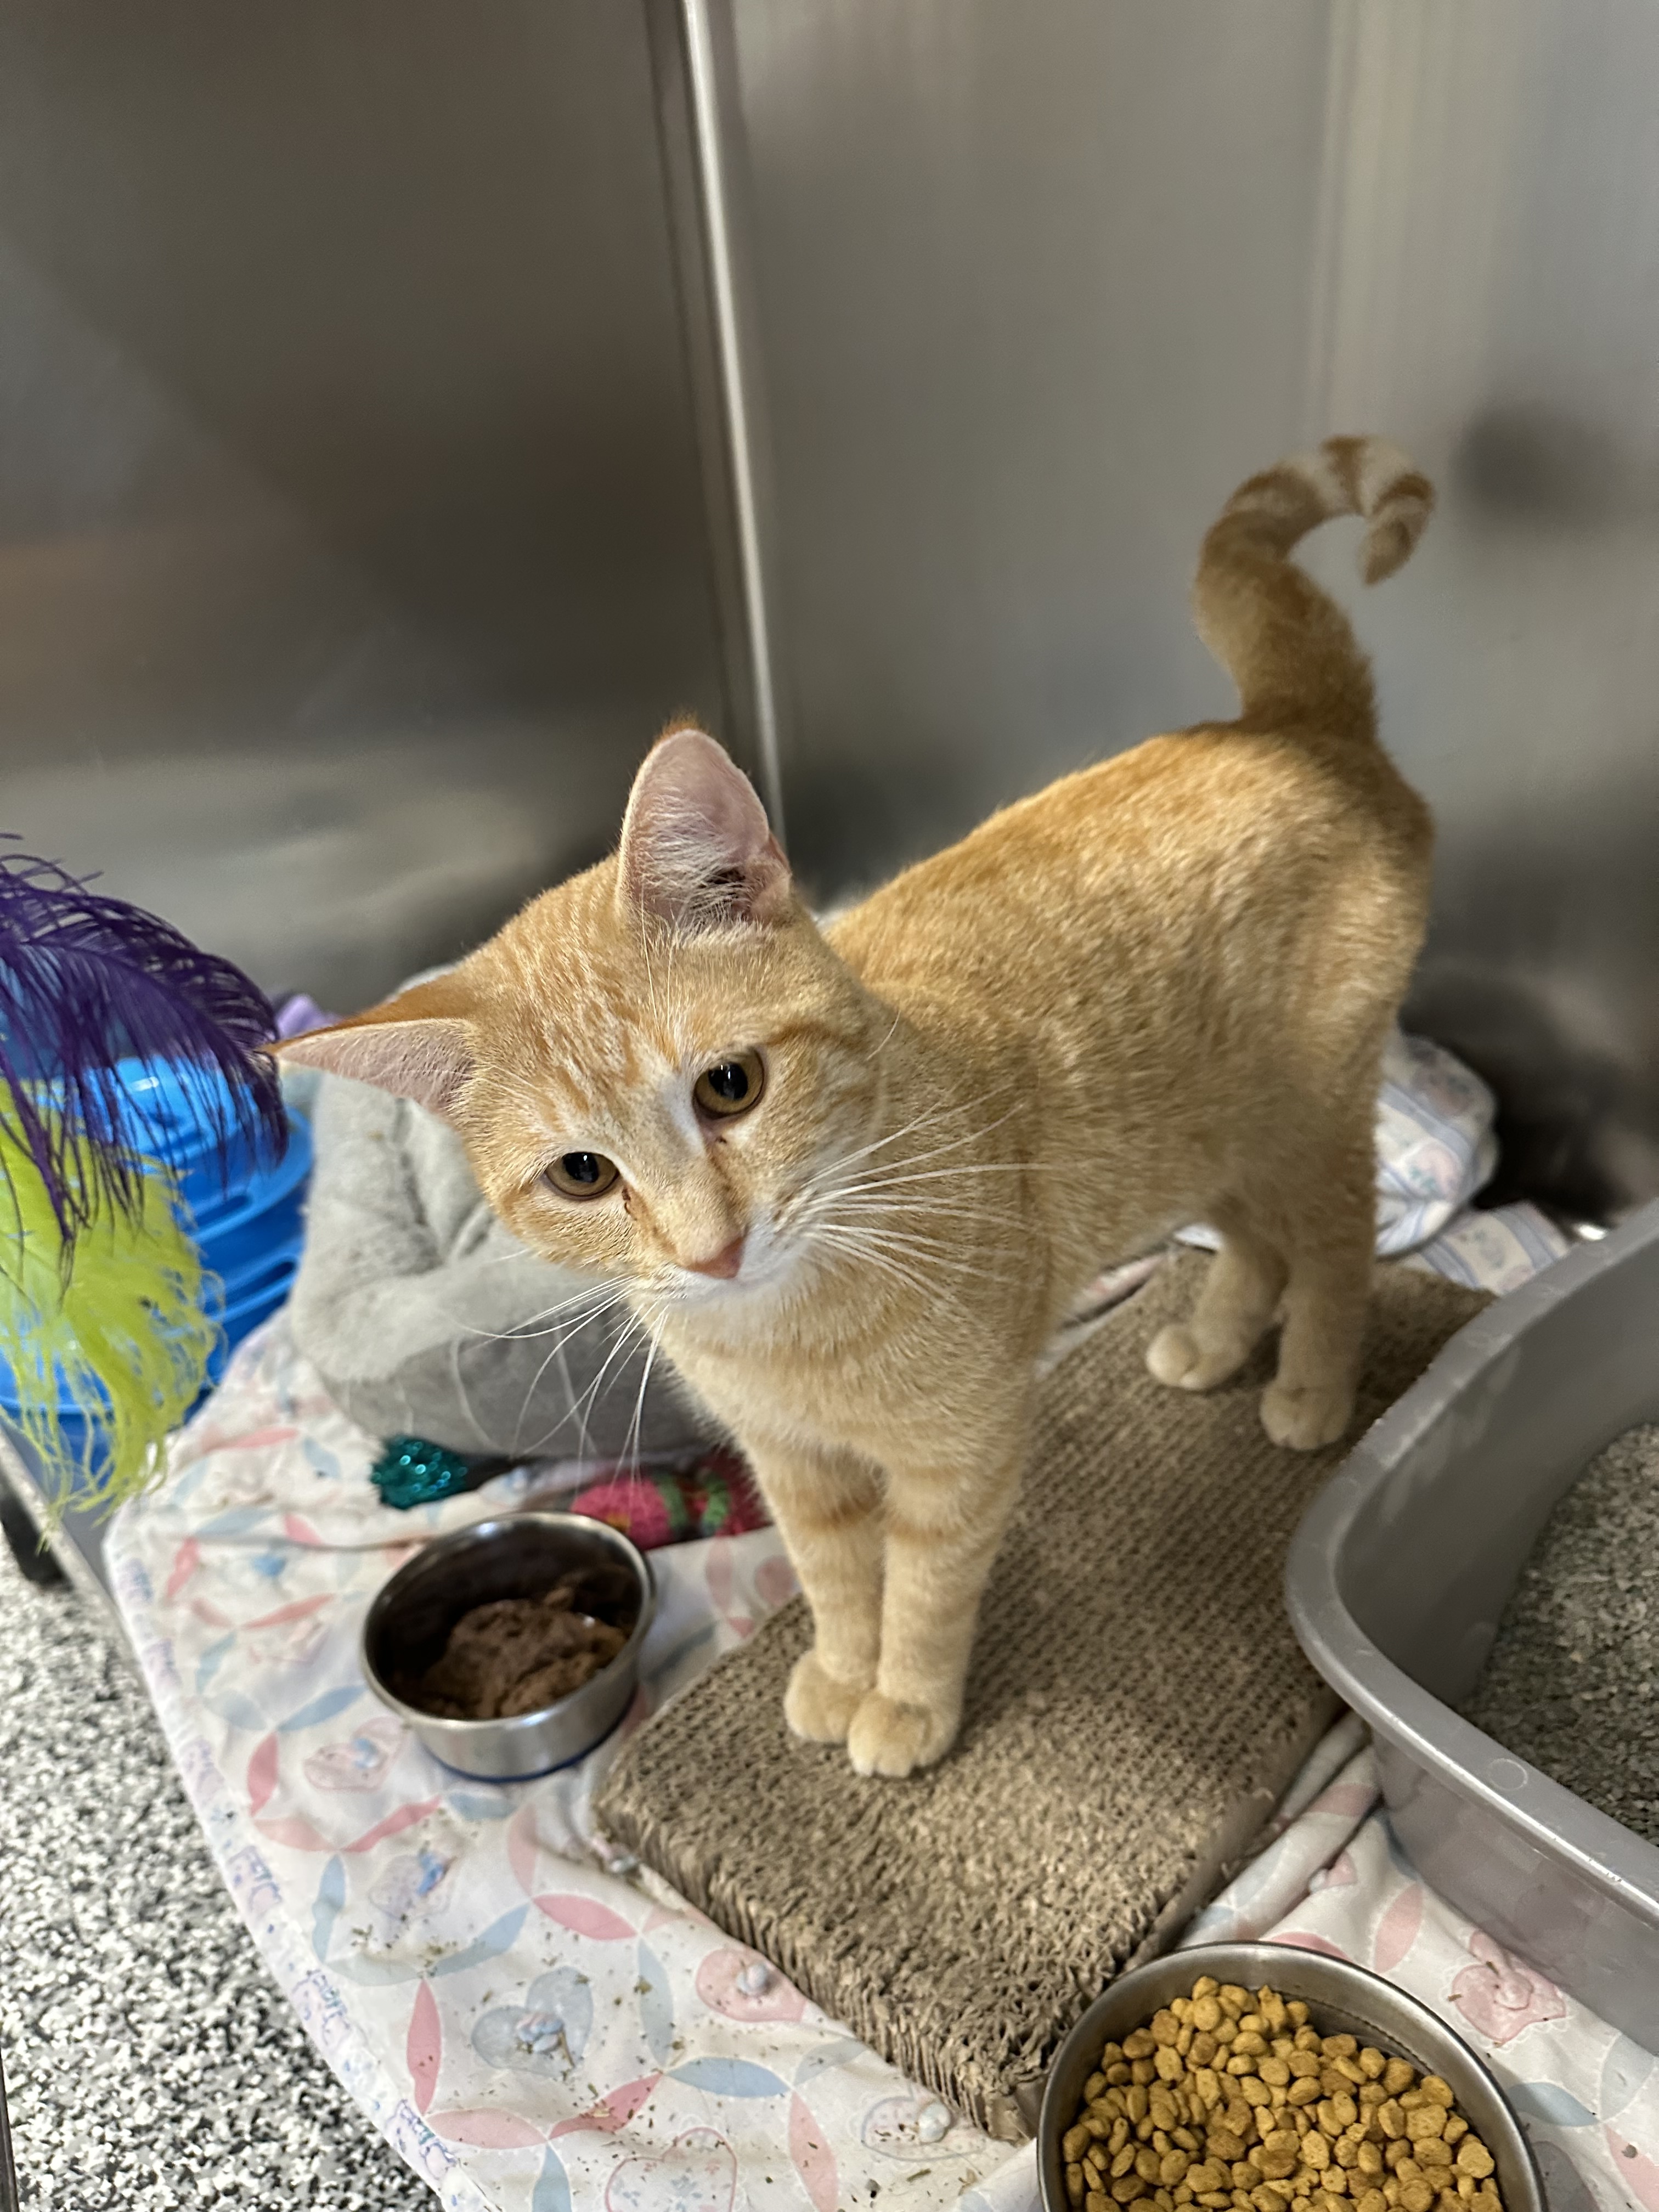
{"x":1234,"y":2103}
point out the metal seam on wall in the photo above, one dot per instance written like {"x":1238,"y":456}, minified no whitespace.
{"x":703,"y":102}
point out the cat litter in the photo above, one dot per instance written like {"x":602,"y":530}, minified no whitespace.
{"x":1572,"y":1684}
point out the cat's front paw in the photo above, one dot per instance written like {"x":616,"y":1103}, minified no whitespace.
{"x":1303,"y":1418}
{"x":1175,"y":1357}
{"x":817,"y":1706}
{"x":895,"y":1740}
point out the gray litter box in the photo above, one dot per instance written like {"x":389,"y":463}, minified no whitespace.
{"x":1400,"y":1572}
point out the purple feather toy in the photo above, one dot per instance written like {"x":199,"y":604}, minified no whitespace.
{"x":86,"y":980}
{"x":103,"y":1303}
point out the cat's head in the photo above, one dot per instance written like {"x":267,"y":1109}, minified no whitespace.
{"x":652,"y":1063}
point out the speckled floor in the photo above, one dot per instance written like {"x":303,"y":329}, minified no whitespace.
{"x":151,"y":2062}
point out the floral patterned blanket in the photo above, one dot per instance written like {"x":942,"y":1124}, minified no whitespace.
{"x":539,"y":2027}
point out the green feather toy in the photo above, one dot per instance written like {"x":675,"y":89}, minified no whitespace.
{"x":103,"y":1301}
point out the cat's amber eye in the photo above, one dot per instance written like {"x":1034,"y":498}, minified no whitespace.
{"x":582,"y":1175}
{"x":730,"y":1086}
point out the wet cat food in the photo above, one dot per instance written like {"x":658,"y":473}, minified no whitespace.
{"x":1226,"y":2100}
{"x":516,"y":1655}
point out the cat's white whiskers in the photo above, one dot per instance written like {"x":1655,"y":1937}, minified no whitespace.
{"x":526,"y":1331}
{"x":869,"y":1254}
{"x":920,"y":1124}
{"x":630,"y":1450}
{"x":925,"y":1252}
{"x":555,"y":1351}
{"x":584,"y":1407}
{"x":828,"y":1186}
{"x":918,"y":1272}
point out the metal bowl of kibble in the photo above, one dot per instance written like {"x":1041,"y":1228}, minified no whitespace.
{"x":474,"y":1641}
{"x":1463,"y":2148}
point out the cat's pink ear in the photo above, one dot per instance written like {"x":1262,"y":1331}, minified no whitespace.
{"x":418,"y":1046}
{"x":697,"y":848}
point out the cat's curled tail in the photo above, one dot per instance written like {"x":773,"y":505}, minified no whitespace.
{"x":1285,"y":644}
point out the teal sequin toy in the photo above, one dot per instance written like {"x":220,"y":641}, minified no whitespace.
{"x":411,"y":1472}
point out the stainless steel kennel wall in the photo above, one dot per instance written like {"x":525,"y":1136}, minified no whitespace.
{"x":360,"y":512}
{"x":352,"y":541}
{"x":1029,"y":287}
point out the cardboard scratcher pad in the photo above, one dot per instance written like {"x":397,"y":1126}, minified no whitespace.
{"x":1136,"y":1706}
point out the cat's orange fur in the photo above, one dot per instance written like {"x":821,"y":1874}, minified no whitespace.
{"x":1156,"y":993}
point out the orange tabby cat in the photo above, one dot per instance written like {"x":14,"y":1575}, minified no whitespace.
{"x":851,"y":1179}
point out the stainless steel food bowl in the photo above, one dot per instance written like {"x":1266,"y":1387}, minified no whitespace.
{"x":1341,"y":2000}
{"x":409,"y":1620}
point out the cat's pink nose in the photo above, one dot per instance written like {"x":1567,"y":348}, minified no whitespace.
{"x":724,"y":1263}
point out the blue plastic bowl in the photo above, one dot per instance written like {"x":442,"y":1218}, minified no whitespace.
{"x":264,"y":1217}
